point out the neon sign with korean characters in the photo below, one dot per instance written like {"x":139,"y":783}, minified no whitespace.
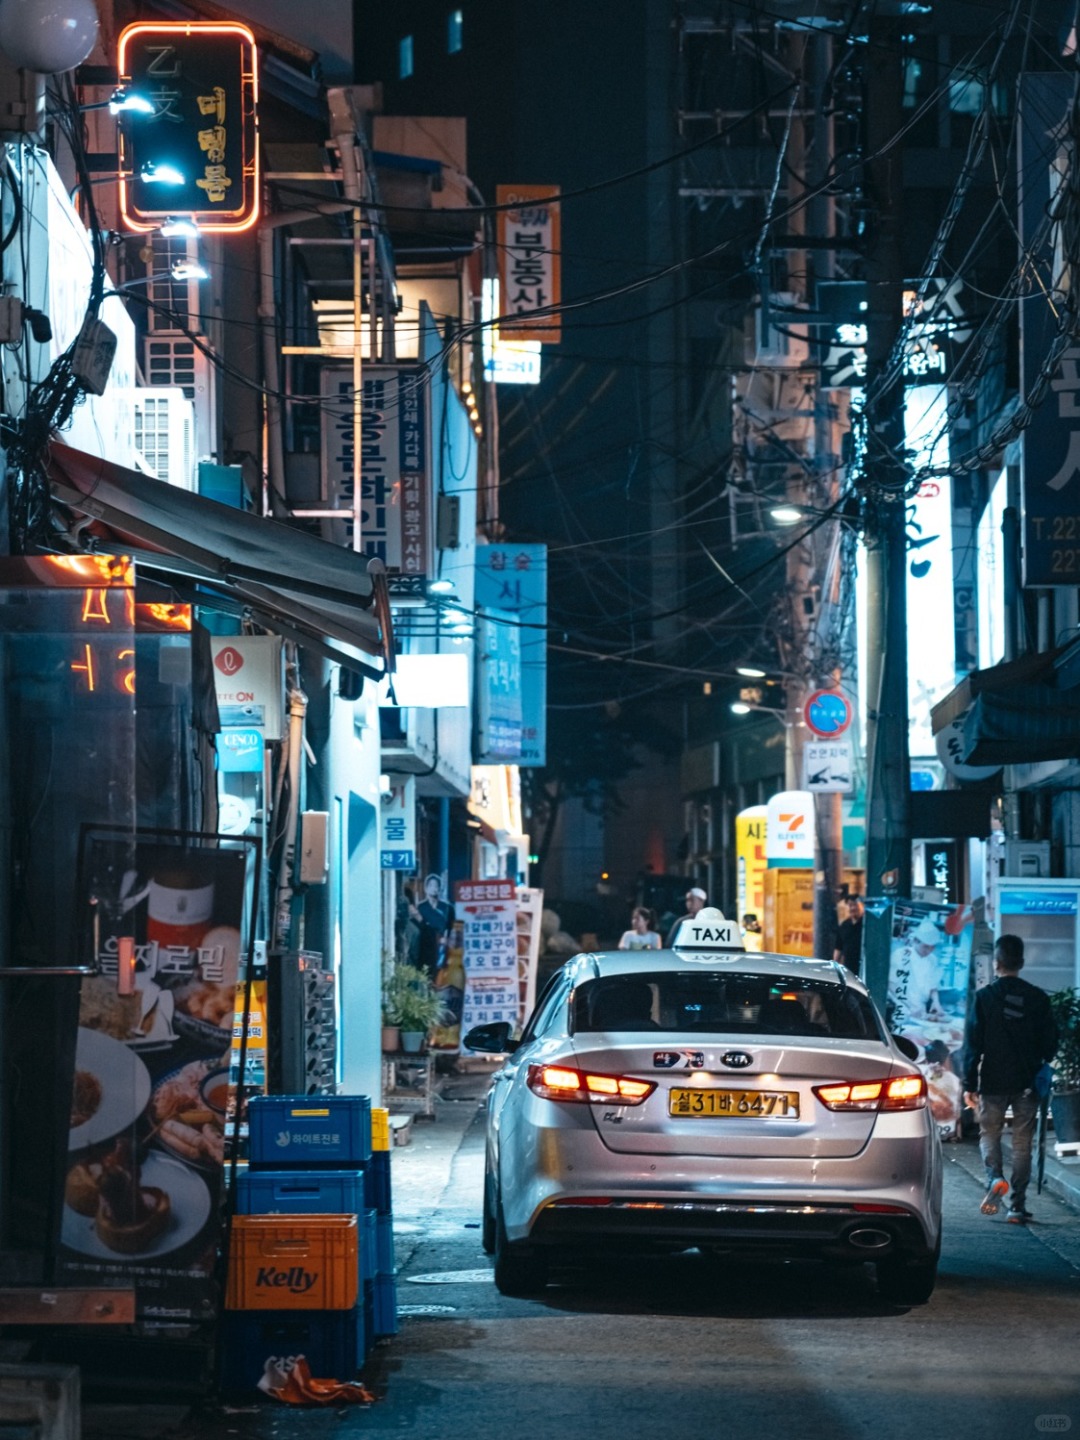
{"x":203,"y":81}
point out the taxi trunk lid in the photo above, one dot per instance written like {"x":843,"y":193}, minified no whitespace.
{"x":734,"y":1097}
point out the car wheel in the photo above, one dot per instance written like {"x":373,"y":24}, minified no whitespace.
{"x":487,"y":1225}
{"x":519,"y":1268}
{"x":907,"y":1282}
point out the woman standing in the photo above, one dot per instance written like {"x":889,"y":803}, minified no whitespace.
{"x":642,"y":934}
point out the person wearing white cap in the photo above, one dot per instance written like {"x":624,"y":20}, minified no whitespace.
{"x":920,"y":959}
{"x":695,"y":899}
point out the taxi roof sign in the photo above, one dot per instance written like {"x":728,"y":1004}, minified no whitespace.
{"x":708,"y":930}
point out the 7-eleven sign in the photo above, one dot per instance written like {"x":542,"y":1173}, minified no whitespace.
{"x":789,"y":834}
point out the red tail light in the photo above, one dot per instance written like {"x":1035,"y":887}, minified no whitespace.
{"x":902,"y":1092}
{"x":560,"y":1082}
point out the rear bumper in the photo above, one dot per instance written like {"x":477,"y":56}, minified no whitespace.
{"x":812,"y":1230}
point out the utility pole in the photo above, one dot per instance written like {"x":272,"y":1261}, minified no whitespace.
{"x":883,"y":483}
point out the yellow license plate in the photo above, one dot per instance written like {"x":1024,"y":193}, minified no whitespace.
{"x":734,"y":1104}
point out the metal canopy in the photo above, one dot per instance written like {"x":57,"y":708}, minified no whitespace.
{"x":287,"y":579}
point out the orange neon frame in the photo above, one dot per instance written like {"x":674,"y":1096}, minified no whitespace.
{"x":142,"y":222}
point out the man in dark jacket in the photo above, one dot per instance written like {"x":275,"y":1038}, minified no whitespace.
{"x":1010,"y":1035}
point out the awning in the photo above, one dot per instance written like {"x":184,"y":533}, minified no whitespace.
{"x":289,"y":581}
{"x":1020,"y":712}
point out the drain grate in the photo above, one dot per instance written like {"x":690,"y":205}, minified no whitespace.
{"x":451,"y":1277}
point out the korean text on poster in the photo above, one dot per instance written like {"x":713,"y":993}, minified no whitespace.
{"x":488,"y":912}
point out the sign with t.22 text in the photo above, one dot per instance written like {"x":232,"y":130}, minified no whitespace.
{"x":202,"y":79}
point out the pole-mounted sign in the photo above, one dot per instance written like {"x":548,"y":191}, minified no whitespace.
{"x":827,"y":713}
{"x":202,"y":79}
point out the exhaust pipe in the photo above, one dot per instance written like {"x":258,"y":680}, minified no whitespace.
{"x":866,"y":1238}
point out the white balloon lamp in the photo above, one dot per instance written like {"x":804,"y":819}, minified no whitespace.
{"x":48,"y":36}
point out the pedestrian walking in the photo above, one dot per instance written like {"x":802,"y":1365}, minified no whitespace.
{"x":642,"y":934}
{"x":695,"y":900}
{"x":849,"y":936}
{"x":1010,"y":1035}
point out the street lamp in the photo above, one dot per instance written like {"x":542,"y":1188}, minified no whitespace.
{"x":123,"y":102}
{"x":744,"y":707}
{"x":787,"y":514}
{"x":182,"y":270}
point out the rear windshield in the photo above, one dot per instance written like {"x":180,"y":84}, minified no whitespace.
{"x":681,"y":1002}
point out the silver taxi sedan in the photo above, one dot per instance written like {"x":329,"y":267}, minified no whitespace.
{"x":703,"y":1096}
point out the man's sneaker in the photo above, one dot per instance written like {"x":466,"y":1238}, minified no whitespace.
{"x":992,"y":1199}
{"x":1018,"y":1215}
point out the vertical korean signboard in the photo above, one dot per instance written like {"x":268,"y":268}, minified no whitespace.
{"x":499,"y":709}
{"x":397,"y":826}
{"x":529,"y":261}
{"x":146,"y":1144}
{"x":488,"y":912}
{"x":1051,"y":441}
{"x":395,"y":463}
{"x":511,"y":580}
{"x":202,"y":79}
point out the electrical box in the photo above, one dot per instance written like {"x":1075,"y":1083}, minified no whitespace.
{"x":448,"y":522}
{"x":1028,"y":859}
{"x":11,"y":320}
{"x":314,"y":855}
{"x":92,"y":359}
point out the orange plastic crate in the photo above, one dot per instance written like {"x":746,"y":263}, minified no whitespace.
{"x":293,"y":1262}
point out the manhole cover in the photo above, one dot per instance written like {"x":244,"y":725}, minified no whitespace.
{"x":452,"y":1277}
{"x":427,"y":1309}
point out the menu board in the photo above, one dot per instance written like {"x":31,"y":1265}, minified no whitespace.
{"x":146,"y":1144}
{"x":488,"y":912}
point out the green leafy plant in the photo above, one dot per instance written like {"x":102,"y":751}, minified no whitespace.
{"x":409,"y":1002}
{"x":1066,"y":1007}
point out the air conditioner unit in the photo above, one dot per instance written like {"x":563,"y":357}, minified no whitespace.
{"x":165,"y":434}
{"x":172,"y":359}
{"x":1029,"y":859}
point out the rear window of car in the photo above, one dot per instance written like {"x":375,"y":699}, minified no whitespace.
{"x":701,"y":1002}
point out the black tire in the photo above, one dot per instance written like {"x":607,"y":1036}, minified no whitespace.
{"x":520,"y":1269}
{"x":487,"y":1224}
{"x":907,"y":1282}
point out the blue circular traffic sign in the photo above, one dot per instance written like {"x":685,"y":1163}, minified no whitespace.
{"x":827,"y":713}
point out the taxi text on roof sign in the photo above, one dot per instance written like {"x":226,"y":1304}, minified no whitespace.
{"x":708,"y":930}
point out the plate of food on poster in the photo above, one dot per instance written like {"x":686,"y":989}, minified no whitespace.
{"x":188,"y":1110}
{"x":203,"y":1005}
{"x":110,"y":1090}
{"x":127,"y":1206}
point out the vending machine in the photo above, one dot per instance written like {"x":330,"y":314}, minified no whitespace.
{"x":1045,"y":914}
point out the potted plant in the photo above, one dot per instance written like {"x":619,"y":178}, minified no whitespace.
{"x":410,"y":1004}
{"x":1065,"y":1098}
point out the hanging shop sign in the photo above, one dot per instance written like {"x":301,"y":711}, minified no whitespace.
{"x":529,"y":245}
{"x":512,"y":579}
{"x":827,"y":767}
{"x":249,"y":678}
{"x":397,"y":826}
{"x":789,"y":832}
{"x":395,"y":461}
{"x":166,"y":914}
{"x":488,"y":912}
{"x":1050,"y":442}
{"x":750,"y":868}
{"x":197,"y":154}
{"x":240,"y":751}
{"x":498,"y":683}
{"x":938,"y":328}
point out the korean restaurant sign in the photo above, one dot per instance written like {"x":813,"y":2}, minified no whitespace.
{"x":511,"y":580}
{"x":395,"y":463}
{"x":529,"y":244}
{"x":1050,"y":455}
{"x":937,"y":326}
{"x":202,"y":79}
{"x":487,"y":910}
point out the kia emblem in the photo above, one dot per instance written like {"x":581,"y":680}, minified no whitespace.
{"x":736,"y":1059}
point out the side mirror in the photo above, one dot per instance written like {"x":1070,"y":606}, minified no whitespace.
{"x":491,"y":1039}
{"x":907,"y":1048}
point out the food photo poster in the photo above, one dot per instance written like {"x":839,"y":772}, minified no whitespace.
{"x":146,"y":1146}
{"x":929,"y":979}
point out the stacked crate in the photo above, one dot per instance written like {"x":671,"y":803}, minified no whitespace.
{"x":304,"y":1251}
{"x":378,"y":1198}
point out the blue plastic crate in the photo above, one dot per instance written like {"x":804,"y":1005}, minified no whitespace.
{"x":377,"y":1182}
{"x":384,"y":1319}
{"x":369,"y":1258}
{"x":309,"y":1131}
{"x":335,"y":1342}
{"x":300,"y":1192}
{"x":384,"y":1245}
